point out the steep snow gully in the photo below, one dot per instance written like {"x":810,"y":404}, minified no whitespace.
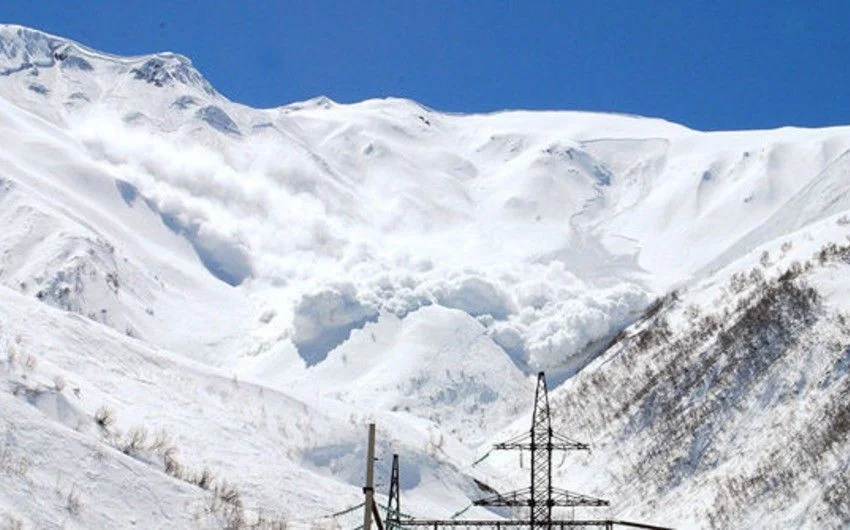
{"x":202,"y":304}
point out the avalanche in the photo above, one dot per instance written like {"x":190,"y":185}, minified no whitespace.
{"x":203,"y":304}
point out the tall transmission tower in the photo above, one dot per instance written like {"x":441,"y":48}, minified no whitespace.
{"x":541,"y":496}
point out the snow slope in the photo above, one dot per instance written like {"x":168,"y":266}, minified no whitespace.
{"x":259,"y":283}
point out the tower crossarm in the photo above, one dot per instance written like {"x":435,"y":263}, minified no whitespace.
{"x":555,"y":446}
{"x":559,"y":497}
{"x":514,"y":498}
{"x":521,"y":441}
{"x":562,"y":442}
{"x":556,"y":442}
{"x":568,"y":498}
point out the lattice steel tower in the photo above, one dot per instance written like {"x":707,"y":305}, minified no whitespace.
{"x":541,"y":496}
{"x":394,"y":502}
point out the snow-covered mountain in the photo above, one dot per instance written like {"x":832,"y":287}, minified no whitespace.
{"x":191,"y":284}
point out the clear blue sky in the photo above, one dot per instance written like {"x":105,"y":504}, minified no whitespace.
{"x":711,"y":65}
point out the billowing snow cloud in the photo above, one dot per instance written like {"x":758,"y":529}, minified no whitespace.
{"x":329,"y":240}
{"x":325,"y":319}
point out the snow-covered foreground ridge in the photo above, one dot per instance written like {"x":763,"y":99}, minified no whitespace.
{"x":189,"y":283}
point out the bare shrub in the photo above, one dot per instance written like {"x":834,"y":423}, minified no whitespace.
{"x":173,"y":466}
{"x":204,"y":479}
{"x":737,"y":282}
{"x":654,"y":335}
{"x":134,"y":443}
{"x":226,"y":500}
{"x":30,"y":362}
{"x":12,"y":354}
{"x":835,"y":429}
{"x":161,"y":442}
{"x":10,"y":464}
{"x":756,"y":276}
{"x":264,"y":522}
{"x":73,"y":503}
{"x":692,"y":312}
{"x":105,"y":417}
{"x":112,"y":281}
{"x":837,"y":497}
{"x":794,"y":270}
{"x":653,"y":309}
{"x":227,"y":492}
{"x":833,"y":252}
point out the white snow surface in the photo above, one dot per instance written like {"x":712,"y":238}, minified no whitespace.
{"x":259,"y":284}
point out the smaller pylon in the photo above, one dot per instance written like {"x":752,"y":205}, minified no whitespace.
{"x":394,"y":502}
{"x":370,"y":508}
{"x":369,"y":489}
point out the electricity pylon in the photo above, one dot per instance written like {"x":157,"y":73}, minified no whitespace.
{"x":541,"y":496}
{"x":394,"y":503}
